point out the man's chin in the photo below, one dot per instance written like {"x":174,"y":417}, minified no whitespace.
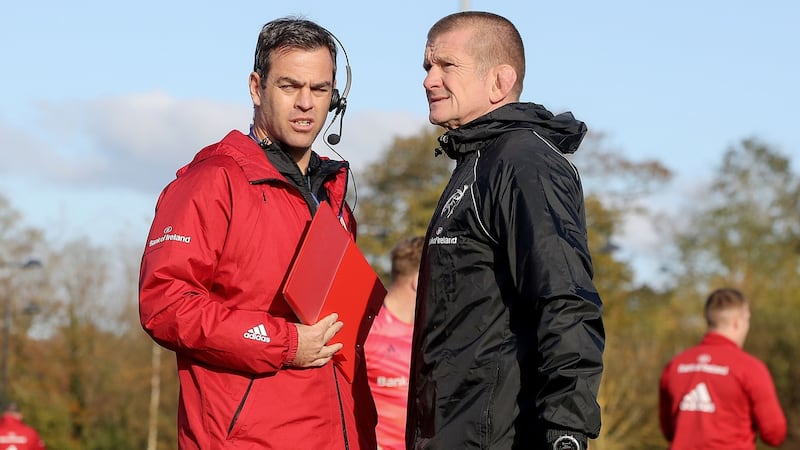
{"x":436,"y":119}
{"x":298,"y":144}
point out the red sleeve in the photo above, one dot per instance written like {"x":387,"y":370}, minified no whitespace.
{"x":665,"y":406}
{"x":176,"y":305}
{"x":768,"y":415}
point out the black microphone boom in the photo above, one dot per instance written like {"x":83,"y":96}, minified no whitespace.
{"x":341,"y":104}
{"x":334,"y":138}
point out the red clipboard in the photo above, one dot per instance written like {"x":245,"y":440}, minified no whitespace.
{"x":330,"y":274}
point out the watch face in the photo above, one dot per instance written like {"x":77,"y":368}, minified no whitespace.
{"x":566,"y":442}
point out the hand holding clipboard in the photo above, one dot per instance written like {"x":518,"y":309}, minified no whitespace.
{"x":331,"y":275}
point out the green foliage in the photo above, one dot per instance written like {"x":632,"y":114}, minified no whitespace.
{"x":80,"y":365}
{"x":400,"y":194}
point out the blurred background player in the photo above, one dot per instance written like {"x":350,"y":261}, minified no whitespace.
{"x":715,"y":395}
{"x":15,"y":434}
{"x":388,"y":347}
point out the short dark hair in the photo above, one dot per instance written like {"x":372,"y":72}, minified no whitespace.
{"x":12,"y":407}
{"x":406,"y":256}
{"x":290,"y":33}
{"x":495,"y":40}
{"x":721,"y":301}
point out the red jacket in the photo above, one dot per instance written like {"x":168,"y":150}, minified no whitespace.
{"x":15,"y":434}
{"x":716,"y":396}
{"x":223,"y":237}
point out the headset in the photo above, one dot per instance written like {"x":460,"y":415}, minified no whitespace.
{"x":339,"y":102}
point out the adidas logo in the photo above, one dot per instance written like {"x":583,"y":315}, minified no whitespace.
{"x":698,"y":399}
{"x":257,"y":333}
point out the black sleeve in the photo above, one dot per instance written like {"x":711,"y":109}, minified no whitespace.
{"x":541,"y":222}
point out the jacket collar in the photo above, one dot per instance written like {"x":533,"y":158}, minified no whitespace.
{"x":276,"y":166}
{"x":562,"y":130}
{"x":712,"y":338}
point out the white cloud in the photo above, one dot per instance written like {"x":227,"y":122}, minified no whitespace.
{"x":138,"y":141}
{"x":367,"y":134}
{"x":100,"y":164}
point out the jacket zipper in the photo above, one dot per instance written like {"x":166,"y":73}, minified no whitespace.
{"x":341,"y":408}
{"x":241,"y":406}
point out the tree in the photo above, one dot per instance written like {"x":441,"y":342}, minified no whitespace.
{"x":19,"y":250}
{"x":615,"y":187}
{"x":402,"y":189}
{"x":84,"y":370}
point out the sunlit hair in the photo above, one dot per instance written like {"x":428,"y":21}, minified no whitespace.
{"x":290,"y":33}
{"x":495,"y":40}
{"x":720,"y":303}
{"x":406,"y":256}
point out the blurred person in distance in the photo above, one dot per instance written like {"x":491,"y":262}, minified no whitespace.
{"x":715,"y":395}
{"x":388,"y":346}
{"x":15,"y":434}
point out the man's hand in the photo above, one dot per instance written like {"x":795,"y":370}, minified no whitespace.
{"x":312,"y":340}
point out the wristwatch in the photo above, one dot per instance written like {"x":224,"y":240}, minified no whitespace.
{"x":567,"y":442}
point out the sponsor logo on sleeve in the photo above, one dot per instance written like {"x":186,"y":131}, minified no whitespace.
{"x":170,"y":236}
{"x":257,"y":333}
{"x":442,"y":240}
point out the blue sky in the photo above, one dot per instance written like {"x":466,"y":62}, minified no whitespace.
{"x":101,"y":102}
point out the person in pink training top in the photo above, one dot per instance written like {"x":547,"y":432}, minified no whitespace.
{"x":15,"y":434}
{"x":388,"y":346}
{"x":715,"y":395}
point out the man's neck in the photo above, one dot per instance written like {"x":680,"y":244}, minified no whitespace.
{"x":300,"y":156}
{"x":402,"y":302}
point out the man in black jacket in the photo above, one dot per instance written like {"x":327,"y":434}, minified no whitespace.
{"x":509,"y":338}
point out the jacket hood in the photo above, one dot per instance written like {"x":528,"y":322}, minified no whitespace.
{"x":246,"y":152}
{"x":562,"y":130}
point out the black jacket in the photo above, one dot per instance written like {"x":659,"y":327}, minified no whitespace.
{"x":509,"y":337}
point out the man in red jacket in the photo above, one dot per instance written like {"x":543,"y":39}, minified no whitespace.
{"x":222,"y":241}
{"x":15,"y":434}
{"x":715,"y":395}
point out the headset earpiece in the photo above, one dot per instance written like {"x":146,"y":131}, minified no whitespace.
{"x":336,"y":101}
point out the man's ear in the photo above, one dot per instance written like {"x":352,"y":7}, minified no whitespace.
{"x":503,"y":79}
{"x":255,"y":88}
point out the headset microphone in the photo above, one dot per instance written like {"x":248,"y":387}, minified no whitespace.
{"x":334,"y":138}
{"x":339,"y":102}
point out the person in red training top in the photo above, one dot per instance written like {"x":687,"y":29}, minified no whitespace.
{"x":715,"y":395}
{"x":388,"y":346}
{"x":15,"y":434}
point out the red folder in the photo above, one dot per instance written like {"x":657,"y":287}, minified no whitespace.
{"x":330,"y":274}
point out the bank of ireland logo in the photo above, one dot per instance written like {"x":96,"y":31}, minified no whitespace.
{"x":442,"y":240}
{"x":453,"y":201}
{"x":170,"y":236}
